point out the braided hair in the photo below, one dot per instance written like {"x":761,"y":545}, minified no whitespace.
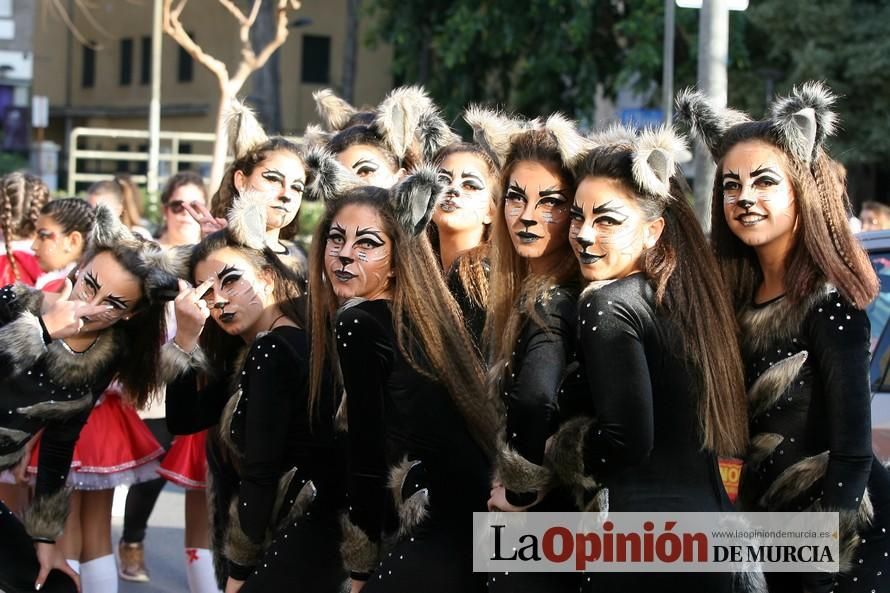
{"x":72,"y":214}
{"x":22,"y":195}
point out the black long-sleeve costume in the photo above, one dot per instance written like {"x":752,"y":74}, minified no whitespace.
{"x":542,"y":355}
{"x":639,"y":425}
{"x":283,"y":528}
{"x":43,"y":385}
{"x":415,"y":470}
{"x":806,"y":369}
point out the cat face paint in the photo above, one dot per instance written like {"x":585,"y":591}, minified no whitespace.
{"x":239,"y":293}
{"x":104,"y":281}
{"x":281,"y":179}
{"x":370,"y":165}
{"x":758,"y":201}
{"x":536,"y":210}
{"x":609,"y":231}
{"x":358,"y":252}
{"x":467,"y":202}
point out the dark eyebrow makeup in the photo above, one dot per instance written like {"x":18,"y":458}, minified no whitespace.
{"x":516,"y":188}
{"x":732,"y":175}
{"x":226,"y":270}
{"x":368,"y":231}
{"x":364,"y":161}
{"x":93,"y":281}
{"x":761,"y":170}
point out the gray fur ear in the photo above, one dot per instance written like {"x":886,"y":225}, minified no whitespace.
{"x":433,"y":134}
{"x":399,"y":115}
{"x":415,"y":197}
{"x":247,"y":219}
{"x":334,"y":111}
{"x":244,"y":130}
{"x":655,"y":160}
{"x":804,"y":119}
{"x":617,"y":134}
{"x":314,"y":135}
{"x":706,"y":122}
{"x":493,"y":130}
{"x":572,"y":145}
{"x":173,"y":261}
{"x":108,"y":229}
{"x":326,"y":178}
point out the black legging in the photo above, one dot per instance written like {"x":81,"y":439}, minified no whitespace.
{"x":141,"y":498}
{"x":18,"y":561}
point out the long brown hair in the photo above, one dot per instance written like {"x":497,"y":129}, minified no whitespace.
{"x":690,"y":291}
{"x":222,"y":200}
{"x":469,"y":266}
{"x":428,"y":325}
{"x":513,"y":289}
{"x":22,"y":195}
{"x":824,"y":248}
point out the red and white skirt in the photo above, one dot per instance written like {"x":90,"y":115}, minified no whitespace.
{"x":186,"y":462}
{"x":115,"y":448}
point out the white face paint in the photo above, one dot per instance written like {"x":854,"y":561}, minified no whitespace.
{"x":281,"y":179}
{"x":536,"y":210}
{"x":467,"y":203}
{"x":239,"y":293}
{"x":758,"y":201}
{"x":104,"y":281}
{"x":54,"y":249}
{"x":370,"y":165}
{"x":358,"y":253}
{"x":609,"y":231}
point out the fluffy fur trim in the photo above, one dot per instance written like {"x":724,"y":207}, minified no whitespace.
{"x":617,"y":134}
{"x":414,"y":509}
{"x":242,"y":128}
{"x":173,"y":261}
{"x":519,"y":474}
{"x":45,"y":518}
{"x":777,"y":321}
{"x":12,"y":458}
{"x":398,"y":117}
{"x":55,"y":409}
{"x":70,"y":369}
{"x":21,"y":341}
{"x":494,"y":130}
{"x":327,"y":178}
{"x":225,"y":423}
{"x":108,"y":230}
{"x":359,"y":553}
{"x":315,"y":135}
{"x":433,"y":134}
{"x":239,"y":548}
{"x":850,"y":525}
{"x":803,"y":119}
{"x":247,"y":219}
{"x":565,"y":455}
{"x":706,"y":121}
{"x":655,"y":159}
{"x":13,"y":436}
{"x":415,"y":197}
{"x":334,"y":111}
{"x":772,"y":384}
{"x":761,"y":447}
{"x":175,"y":362}
{"x":572,"y":145}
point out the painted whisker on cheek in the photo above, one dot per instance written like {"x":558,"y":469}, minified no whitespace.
{"x":514,"y":211}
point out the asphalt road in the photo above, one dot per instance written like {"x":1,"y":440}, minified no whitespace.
{"x":163,"y":544}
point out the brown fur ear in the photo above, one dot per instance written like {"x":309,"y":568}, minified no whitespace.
{"x":334,"y":111}
{"x":493,"y":130}
{"x":572,"y":145}
{"x":244,"y":130}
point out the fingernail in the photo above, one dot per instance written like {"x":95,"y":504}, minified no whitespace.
{"x":37,"y":587}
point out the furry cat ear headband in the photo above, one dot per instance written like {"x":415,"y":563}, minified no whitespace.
{"x":496,"y":131}
{"x":799,"y":122}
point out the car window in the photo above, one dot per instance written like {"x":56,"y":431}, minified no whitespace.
{"x":879,"y":310}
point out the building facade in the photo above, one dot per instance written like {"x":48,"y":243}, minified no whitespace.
{"x":106,"y":83}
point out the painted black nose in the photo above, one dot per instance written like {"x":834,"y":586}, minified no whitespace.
{"x":585,"y":243}
{"x":345,"y":260}
{"x":746,"y":203}
{"x":452,"y":192}
{"x":528,"y":223}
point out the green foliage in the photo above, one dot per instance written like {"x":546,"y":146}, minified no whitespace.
{"x":539,"y":56}
{"x":10,"y":162}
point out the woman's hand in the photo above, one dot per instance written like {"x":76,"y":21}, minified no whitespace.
{"x":20,"y":471}
{"x":50,"y":557}
{"x":209,"y":223}
{"x":498,"y":500}
{"x":191,"y":313}
{"x":233,"y":585}
{"x":64,"y":318}
{"x":356,"y":586}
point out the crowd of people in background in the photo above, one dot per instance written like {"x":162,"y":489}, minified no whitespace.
{"x":529,"y":320}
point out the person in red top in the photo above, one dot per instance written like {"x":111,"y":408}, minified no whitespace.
{"x":22,"y":195}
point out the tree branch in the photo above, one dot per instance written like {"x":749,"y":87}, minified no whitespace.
{"x":236,"y":12}
{"x":173,"y":27}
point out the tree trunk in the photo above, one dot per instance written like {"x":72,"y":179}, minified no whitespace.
{"x":266,"y":92}
{"x":221,"y":145}
{"x":350,"y":49}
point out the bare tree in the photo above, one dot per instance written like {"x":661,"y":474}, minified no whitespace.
{"x":251,"y":60}
{"x":350,"y":50}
